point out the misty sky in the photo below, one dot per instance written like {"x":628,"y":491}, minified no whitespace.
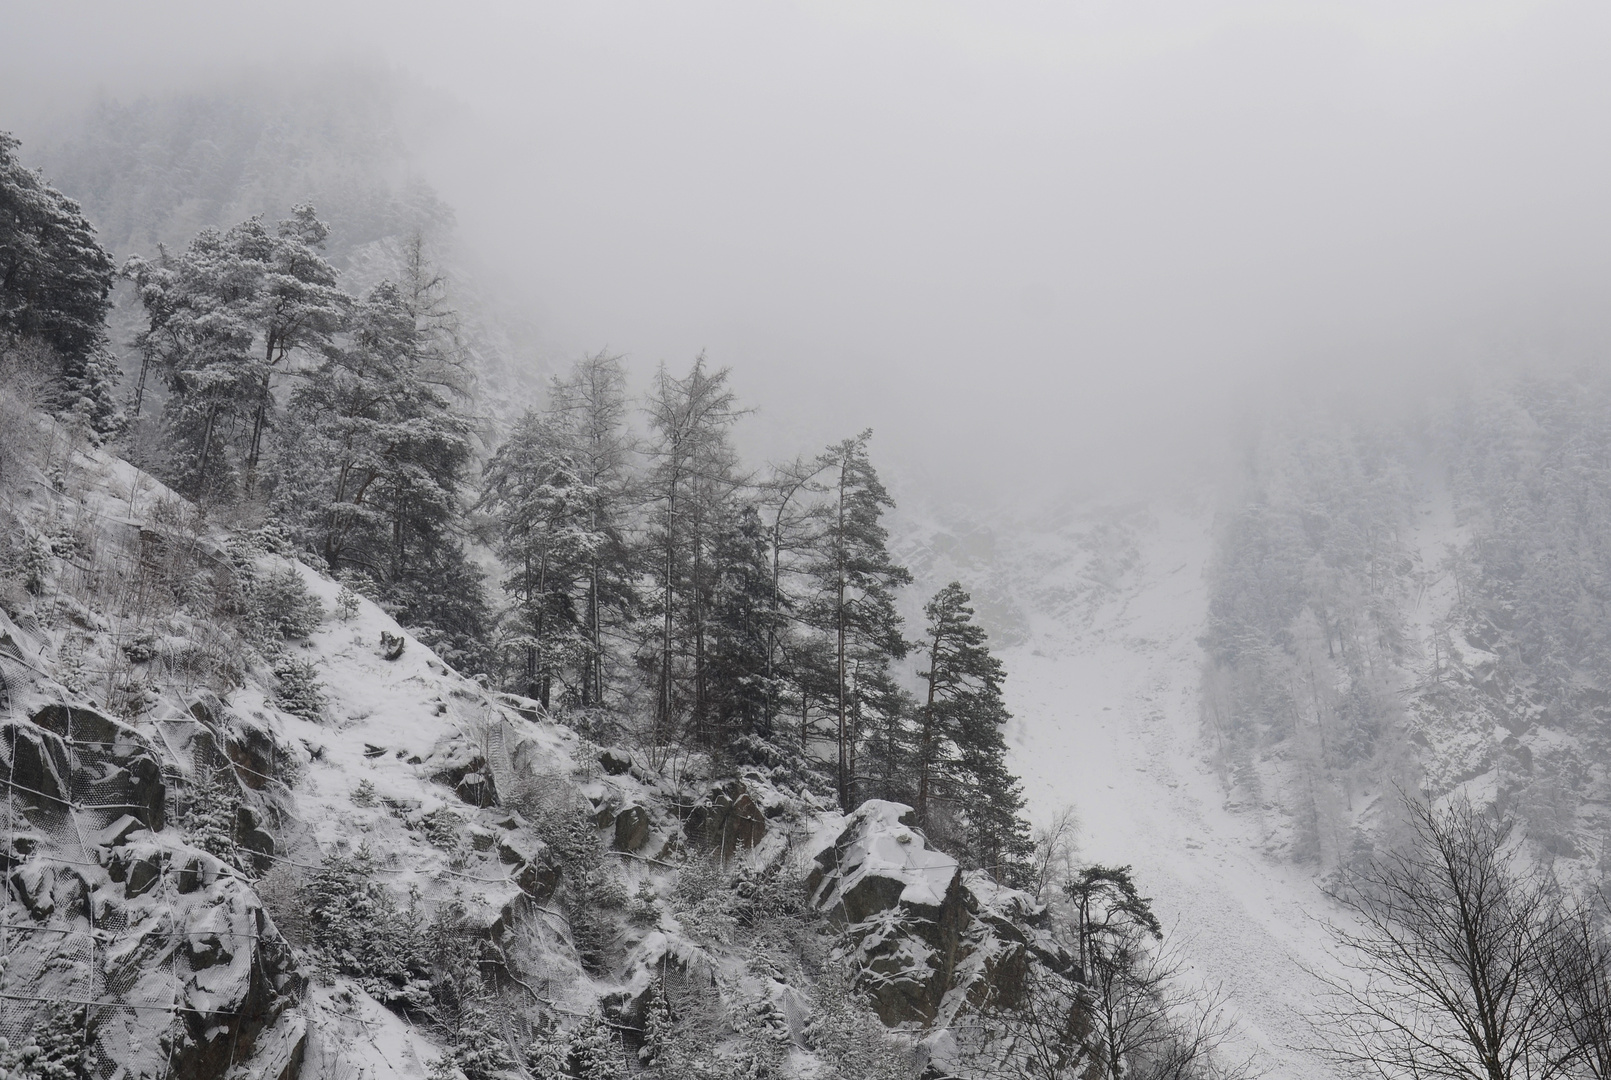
{"x":1062,"y":233}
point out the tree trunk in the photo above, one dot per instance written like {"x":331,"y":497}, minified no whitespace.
{"x":926,"y":744}
{"x":664,"y":721}
{"x":206,"y":448}
{"x":844,"y":759}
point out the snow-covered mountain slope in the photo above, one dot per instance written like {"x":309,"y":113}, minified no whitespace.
{"x":258,"y":830}
{"x":1106,"y":704}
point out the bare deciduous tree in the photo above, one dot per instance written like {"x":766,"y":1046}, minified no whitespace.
{"x":1577,"y":980}
{"x":1446,"y":966}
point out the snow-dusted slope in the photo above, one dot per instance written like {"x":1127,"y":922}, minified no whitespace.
{"x":1107,"y":720}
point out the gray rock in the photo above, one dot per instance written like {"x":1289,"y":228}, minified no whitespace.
{"x":632,"y":826}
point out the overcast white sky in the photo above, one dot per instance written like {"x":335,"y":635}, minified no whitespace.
{"x":1033,"y":237}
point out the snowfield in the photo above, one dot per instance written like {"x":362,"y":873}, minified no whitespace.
{"x":1106,"y":719}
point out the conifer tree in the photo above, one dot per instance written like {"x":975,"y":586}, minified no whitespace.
{"x":544,"y":516}
{"x":792,"y":518}
{"x":55,"y":288}
{"x":854,"y":580}
{"x":959,"y":746}
{"x":596,"y":1052}
{"x":741,"y":623}
{"x":590,"y":406}
{"x":478,"y":1051}
{"x":547,"y":1056}
{"x":690,"y":478}
{"x":224,"y":318}
{"x":376,"y":420}
{"x":56,"y":1050}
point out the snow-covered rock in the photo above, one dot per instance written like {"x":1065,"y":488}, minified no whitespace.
{"x":924,"y":936}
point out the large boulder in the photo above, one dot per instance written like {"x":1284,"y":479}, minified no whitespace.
{"x":925,"y":935}
{"x":456,"y":762}
{"x":632,"y":826}
{"x":726,"y":819}
{"x":116,"y":768}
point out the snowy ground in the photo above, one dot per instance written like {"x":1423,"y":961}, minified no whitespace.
{"x":1107,"y":719}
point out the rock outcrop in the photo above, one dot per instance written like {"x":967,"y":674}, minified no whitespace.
{"x":923,"y":935}
{"x":102,"y":896}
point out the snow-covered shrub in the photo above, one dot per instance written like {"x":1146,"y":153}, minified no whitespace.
{"x":644,"y":909}
{"x":284,"y":892}
{"x":850,"y":1040}
{"x":453,"y":949}
{"x":359,"y":929}
{"x":55,"y":1051}
{"x":591,"y":890}
{"x":364,"y":794}
{"x":210,"y":820}
{"x":596,"y":1052}
{"x":674,"y":1049}
{"x":297,"y":686}
{"x":477,"y":1052}
{"x":37,"y":559}
{"x":548,"y":1055}
{"x":442,"y":828}
{"x":704,"y":901}
{"x":282,"y":606}
{"x":766,"y":894}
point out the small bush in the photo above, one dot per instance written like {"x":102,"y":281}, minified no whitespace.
{"x":55,"y":1051}
{"x":297,"y":688}
{"x":210,"y":821}
{"x":358,"y":929}
{"x":284,"y":892}
{"x":282,"y":606}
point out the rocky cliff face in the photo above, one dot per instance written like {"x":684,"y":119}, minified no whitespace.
{"x":107,"y":904}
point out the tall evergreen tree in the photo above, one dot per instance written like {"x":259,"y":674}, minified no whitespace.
{"x":741,"y":624}
{"x":590,"y":406}
{"x":690,"y":479}
{"x":545,"y":515}
{"x":224,"y":318}
{"x":792,"y":517}
{"x":854,"y":600}
{"x":373,"y":455}
{"x":376,"y":419}
{"x":960,"y":754}
{"x":55,"y":288}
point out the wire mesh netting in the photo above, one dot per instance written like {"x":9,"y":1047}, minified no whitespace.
{"x":67,"y":939}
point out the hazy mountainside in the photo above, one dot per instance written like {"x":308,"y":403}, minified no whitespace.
{"x":1421,"y":603}
{"x":1233,"y":695}
{"x":1108,"y":702}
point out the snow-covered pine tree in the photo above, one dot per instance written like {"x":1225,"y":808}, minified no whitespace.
{"x":789,"y":507}
{"x":590,"y":406}
{"x":962,"y":676}
{"x":960,"y":751}
{"x":374,"y":453}
{"x":690,"y":479}
{"x":55,"y":289}
{"x":854,"y":582}
{"x":741,"y":623}
{"x":478,"y":1050}
{"x":596,"y":1053}
{"x":545,"y":536}
{"x":56,"y":1050}
{"x":547,"y":1056}
{"x":224,"y":318}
